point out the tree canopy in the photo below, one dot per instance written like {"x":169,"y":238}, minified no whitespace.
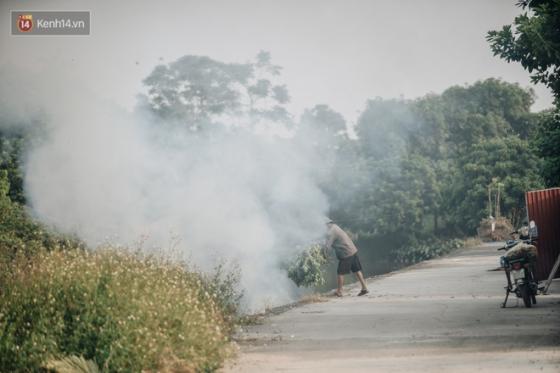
{"x":534,"y":41}
{"x":197,"y":90}
{"x":426,"y":165}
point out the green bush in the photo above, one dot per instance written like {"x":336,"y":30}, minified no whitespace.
{"x":223,"y":284}
{"x":17,"y":230}
{"x":121,"y":311}
{"x":20,"y":234}
{"x":307,"y":268}
{"x":423,"y":251}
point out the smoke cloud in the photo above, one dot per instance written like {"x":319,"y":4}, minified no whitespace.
{"x":109,"y":175}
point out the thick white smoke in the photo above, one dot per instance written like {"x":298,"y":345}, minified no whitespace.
{"x":109,"y":175}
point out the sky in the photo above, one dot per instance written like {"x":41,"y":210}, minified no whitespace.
{"x":333,"y":52}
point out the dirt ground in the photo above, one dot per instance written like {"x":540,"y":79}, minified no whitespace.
{"x":442,"y":315}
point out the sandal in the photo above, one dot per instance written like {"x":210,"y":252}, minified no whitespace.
{"x":363,"y":292}
{"x":337,"y":294}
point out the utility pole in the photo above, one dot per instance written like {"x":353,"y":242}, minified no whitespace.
{"x":498,"y":201}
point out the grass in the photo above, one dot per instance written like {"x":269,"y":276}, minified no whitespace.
{"x":312,"y":298}
{"x":66,"y":308}
{"x":472,"y":242}
{"x":119,"y":310}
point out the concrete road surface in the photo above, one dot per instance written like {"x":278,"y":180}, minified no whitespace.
{"x":442,"y":315}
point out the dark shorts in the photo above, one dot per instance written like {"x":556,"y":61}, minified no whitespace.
{"x":352,"y":263}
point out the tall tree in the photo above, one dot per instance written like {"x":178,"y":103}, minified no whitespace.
{"x":382,"y":129}
{"x":323,"y":127}
{"x":197,"y":90}
{"x":486,"y":109}
{"x":533,"y":40}
{"x":547,"y":142}
{"x":508,"y":161}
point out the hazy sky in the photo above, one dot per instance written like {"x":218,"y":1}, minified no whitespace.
{"x":336,"y":52}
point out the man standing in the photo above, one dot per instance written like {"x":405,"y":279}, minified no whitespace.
{"x":347,"y":255}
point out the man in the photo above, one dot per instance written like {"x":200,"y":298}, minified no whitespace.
{"x":347,"y":255}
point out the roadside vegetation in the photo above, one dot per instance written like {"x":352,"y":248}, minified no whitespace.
{"x":122,"y":311}
{"x":109,"y":308}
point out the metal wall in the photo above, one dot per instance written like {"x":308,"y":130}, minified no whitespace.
{"x":543,"y":206}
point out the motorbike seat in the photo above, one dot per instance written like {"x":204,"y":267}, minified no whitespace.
{"x":511,"y":243}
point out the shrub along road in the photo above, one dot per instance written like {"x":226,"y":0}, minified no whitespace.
{"x":442,"y":315}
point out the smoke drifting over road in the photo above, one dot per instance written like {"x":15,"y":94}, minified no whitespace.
{"x":109,"y":175}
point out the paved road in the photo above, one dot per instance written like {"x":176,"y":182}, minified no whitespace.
{"x":442,"y":315}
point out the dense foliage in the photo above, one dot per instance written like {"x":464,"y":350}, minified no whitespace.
{"x":11,"y":148}
{"x":407,"y":255}
{"x":546,"y":142}
{"x":534,"y":41}
{"x":423,"y":168}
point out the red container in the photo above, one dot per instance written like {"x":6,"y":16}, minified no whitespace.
{"x":543,"y":206}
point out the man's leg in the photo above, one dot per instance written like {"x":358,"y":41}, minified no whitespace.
{"x":360,"y":278}
{"x":340,"y":282}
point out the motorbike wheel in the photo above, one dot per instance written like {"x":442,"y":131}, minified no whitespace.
{"x":526,"y":295}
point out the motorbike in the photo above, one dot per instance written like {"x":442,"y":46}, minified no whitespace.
{"x":519,"y":266}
